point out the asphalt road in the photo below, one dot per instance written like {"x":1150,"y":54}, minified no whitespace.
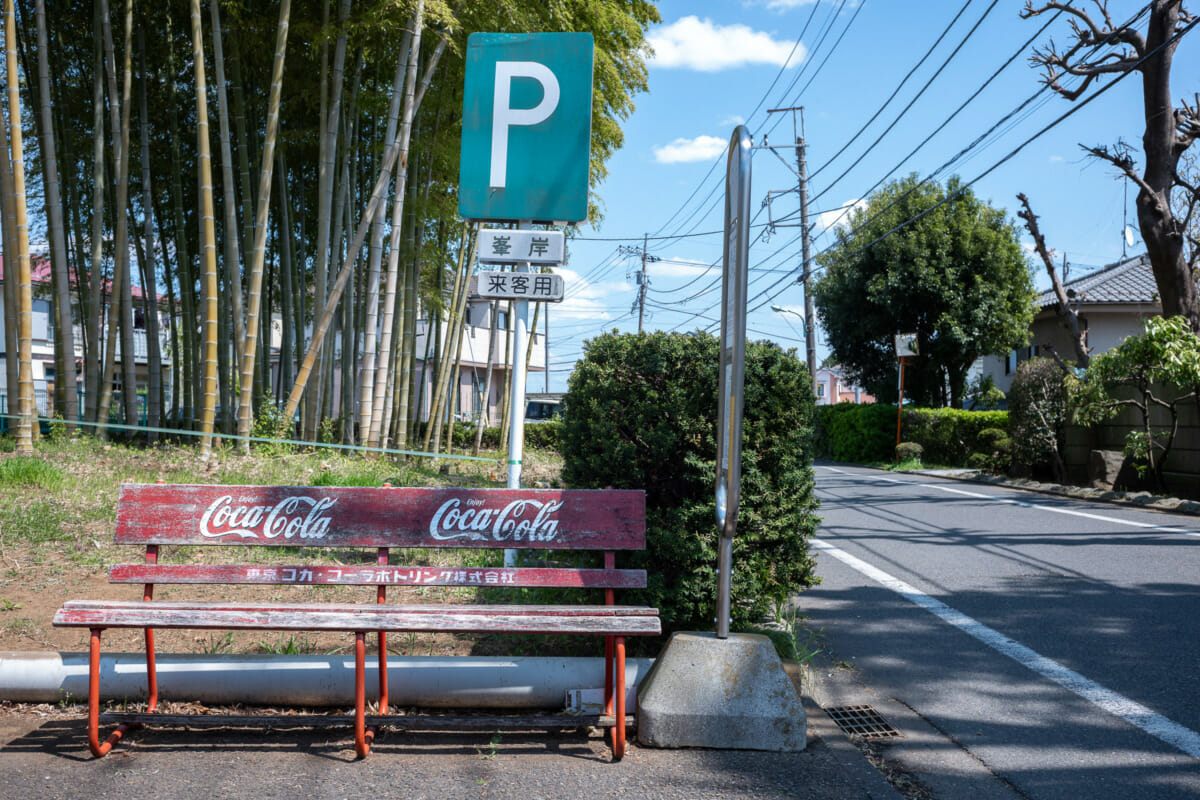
{"x":1055,"y":641}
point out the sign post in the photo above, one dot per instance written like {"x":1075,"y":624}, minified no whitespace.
{"x":906,"y":346}
{"x":733,"y":362}
{"x":525,"y":158}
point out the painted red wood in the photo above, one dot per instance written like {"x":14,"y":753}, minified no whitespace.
{"x":305,"y":575}
{"x":607,"y":620}
{"x":382,"y":517}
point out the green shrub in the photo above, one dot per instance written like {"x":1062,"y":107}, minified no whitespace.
{"x":543,"y":435}
{"x":950,"y":434}
{"x":867,"y":433}
{"x":857,"y":433}
{"x":908,"y":451}
{"x":1037,"y":407}
{"x":641,"y":413}
{"x":980,"y":461}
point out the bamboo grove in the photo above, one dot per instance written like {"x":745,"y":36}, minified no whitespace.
{"x":246,"y":162}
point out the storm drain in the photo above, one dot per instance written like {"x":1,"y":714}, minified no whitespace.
{"x":862,"y":721}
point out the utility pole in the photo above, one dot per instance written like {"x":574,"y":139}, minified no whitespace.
{"x":810,"y":317}
{"x":640,"y":302}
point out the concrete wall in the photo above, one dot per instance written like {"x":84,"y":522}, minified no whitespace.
{"x":1183,"y":462}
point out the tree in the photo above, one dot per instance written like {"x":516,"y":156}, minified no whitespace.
{"x":1068,"y":316}
{"x":927,"y":259}
{"x":1155,"y":372}
{"x":1168,"y":134}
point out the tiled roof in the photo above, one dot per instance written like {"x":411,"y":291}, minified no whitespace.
{"x":1128,"y":281}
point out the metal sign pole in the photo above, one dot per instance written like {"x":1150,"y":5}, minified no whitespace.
{"x":733,"y":362}
{"x":516,"y":395}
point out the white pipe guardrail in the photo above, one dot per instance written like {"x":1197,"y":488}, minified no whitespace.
{"x":318,"y":680}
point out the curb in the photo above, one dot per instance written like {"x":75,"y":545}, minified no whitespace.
{"x":1143,"y":500}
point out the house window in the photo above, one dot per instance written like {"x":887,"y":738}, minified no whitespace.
{"x":502,"y":320}
{"x":820,"y":390}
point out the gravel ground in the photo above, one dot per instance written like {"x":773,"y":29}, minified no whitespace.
{"x":45,"y":756}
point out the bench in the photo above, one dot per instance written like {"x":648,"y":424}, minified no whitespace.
{"x":374,"y":521}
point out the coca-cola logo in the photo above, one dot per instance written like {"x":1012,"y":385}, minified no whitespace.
{"x":293,"y":517}
{"x":520,"y":520}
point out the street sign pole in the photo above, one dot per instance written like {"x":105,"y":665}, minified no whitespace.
{"x":516,"y":394}
{"x":733,"y":362}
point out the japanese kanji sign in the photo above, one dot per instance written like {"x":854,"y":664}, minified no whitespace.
{"x":527,"y":127}
{"x":519,"y":286}
{"x":513,"y":247}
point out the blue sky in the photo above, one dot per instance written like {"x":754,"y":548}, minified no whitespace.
{"x":719,"y":64}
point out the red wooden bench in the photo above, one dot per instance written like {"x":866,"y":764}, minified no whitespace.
{"x":380,"y":518}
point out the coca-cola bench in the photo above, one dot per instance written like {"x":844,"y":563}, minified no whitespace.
{"x":381,"y":519}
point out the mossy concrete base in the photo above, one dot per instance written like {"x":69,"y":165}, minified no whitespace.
{"x":730,"y":694}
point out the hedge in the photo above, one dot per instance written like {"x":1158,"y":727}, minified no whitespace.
{"x":867,"y":433}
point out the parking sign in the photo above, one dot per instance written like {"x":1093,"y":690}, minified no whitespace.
{"x":527,"y":127}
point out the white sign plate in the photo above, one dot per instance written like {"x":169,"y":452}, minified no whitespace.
{"x":906,"y":345}
{"x":515,"y":247}
{"x":535,"y":286}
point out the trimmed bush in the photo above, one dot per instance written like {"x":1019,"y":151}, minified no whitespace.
{"x":907,"y":451}
{"x":950,"y":434}
{"x":641,"y":413}
{"x":867,"y":433}
{"x":1037,"y":404}
{"x":858,"y":433}
{"x":543,"y":435}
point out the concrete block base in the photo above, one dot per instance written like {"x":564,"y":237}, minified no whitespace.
{"x":728,"y":694}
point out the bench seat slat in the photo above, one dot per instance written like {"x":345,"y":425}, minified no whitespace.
{"x":308,"y":575}
{"x":611,"y":620}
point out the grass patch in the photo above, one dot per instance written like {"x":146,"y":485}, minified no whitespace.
{"x":27,"y":471}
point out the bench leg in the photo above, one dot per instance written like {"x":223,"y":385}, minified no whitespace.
{"x":618,"y":731}
{"x":383,"y":674}
{"x":151,"y":673}
{"x":362,"y":737}
{"x":97,"y":747}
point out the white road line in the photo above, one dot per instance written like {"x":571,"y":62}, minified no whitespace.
{"x":1158,"y":726}
{"x":1099,"y":517}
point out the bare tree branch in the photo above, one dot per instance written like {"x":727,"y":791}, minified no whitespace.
{"x":1120,"y":158}
{"x":1187,"y":123}
{"x":1068,"y":315}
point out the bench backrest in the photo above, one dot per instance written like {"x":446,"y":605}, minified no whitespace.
{"x":383,"y":518}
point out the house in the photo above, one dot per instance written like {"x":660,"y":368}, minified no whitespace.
{"x":473,"y":364}
{"x":43,"y":342}
{"x":1113,"y":303}
{"x":834,"y":387}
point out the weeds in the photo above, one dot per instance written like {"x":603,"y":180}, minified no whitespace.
{"x":491,"y":752}
{"x":216,"y":645}
{"x":289,"y":647}
{"x":28,"y":471}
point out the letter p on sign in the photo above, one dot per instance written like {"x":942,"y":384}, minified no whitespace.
{"x":527,"y":119}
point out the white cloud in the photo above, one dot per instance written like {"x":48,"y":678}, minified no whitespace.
{"x":838,"y":218}
{"x":586,"y":300}
{"x":680,"y":268}
{"x":736,"y":119}
{"x":692,"y":43}
{"x":1056,"y":159}
{"x":702,"y":148}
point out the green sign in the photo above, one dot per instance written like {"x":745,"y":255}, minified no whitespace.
{"x":527,"y":127}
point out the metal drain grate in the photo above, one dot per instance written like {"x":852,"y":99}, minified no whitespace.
{"x":862,"y":721}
